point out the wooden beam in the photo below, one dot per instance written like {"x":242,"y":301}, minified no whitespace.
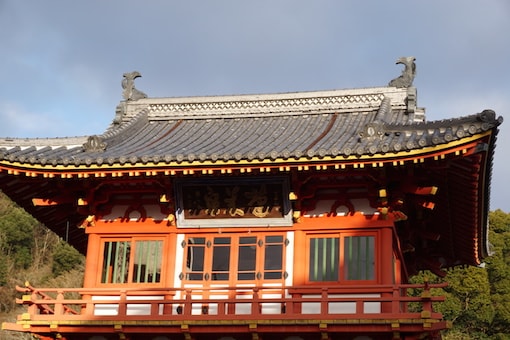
{"x":45,"y":202}
{"x":82,"y":202}
{"x":414,"y":189}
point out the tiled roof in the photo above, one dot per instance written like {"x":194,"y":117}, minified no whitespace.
{"x":253,"y":128}
{"x":340,"y":128}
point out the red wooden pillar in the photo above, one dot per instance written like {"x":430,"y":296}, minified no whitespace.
{"x":386,"y":255}
{"x":92,"y":262}
{"x":300,"y":251}
{"x":386,"y":264}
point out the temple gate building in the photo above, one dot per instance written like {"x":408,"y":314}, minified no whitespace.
{"x":294,"y":216}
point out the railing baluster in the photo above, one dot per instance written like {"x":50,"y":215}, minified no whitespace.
{"x":426,"y":301}
{"x":59,"y":305}
{"x":167,"y":306}
{"x":221,"y":307}
{"x":324,"y":301}
{"x":89,"y":308}
{"x":122,"y":303}
{"x":33,"y":308}
{"x":255,"y":305}
{"x":395,"y":303}
{"x":42,"y":306}
{"x":155,"y":307}
{"x":188,"y":305}
{"x":360,"y":307}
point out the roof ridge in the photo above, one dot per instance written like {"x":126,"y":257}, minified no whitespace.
{"x":54,"y":142}
{"x":267,"y":105}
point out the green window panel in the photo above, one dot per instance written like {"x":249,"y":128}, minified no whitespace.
{"x":324,"y":259}
{"x":359,"y":261}
{"x":326,"y":264}
{"x":116,"y":262}
{"x":129,"y":261}
{"x":147,"y":265}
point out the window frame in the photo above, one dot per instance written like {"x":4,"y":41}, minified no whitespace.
{"x":130,"y":272}
{"x":342,"y":235}
{"x":264,"y":267}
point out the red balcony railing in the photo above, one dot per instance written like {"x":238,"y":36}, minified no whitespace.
{"x":389,"y":305}
{"x":250,"y":302}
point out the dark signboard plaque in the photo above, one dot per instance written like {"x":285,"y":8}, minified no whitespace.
{"x":233,"y":202}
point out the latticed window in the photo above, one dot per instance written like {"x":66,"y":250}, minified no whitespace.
{"x":137,"y":261}
{"x":334,"y":258}
{"x":235,"y":258}
{"x":273,"y":257}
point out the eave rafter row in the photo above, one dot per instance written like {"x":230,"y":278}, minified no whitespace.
{"x":143,"y":170}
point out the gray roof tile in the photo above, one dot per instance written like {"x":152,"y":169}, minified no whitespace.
{"x":254,"y":127}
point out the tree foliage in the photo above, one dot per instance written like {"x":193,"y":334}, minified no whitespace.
{"x":17,"y":235}
{"x":65,"y":258}
{"x":478,"y":298}
{"x":498,"y":269}
{"x":29,"y":251}
{"x":469,"y":300}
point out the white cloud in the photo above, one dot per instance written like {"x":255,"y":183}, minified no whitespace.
{"x":16,"y":120}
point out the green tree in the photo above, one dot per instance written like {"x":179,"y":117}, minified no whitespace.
{"x":65,"y":258}
{"x":4,"y":269}
{"x":469,"y":301}
{"x":478,"y":299}
{"x":17,"y":235}
{"x":498,"y":268}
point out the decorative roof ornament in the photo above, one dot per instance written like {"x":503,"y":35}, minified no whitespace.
{"x":128,"y":84}
{"x":94,"y":143}
{"x":408,"y":73}
{"x":376,"y":128}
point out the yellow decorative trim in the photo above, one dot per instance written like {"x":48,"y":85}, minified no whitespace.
{"x":252,"y":324}
{"x":425,"y":314}
{"x":183,"y":165}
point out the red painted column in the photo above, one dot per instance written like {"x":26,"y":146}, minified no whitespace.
{"x":386,"y":264}
{"x":92,"y":261}
{"x":386,"y":256}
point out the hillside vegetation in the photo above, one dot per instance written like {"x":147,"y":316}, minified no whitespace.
{"x":31,"y":252}
{"x":477,"y":299}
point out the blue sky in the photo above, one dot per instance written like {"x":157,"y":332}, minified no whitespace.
{"x":62,"y":61}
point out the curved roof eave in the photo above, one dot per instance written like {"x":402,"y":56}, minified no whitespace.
{"x":341,"y":126}
{"x":398,"y":158}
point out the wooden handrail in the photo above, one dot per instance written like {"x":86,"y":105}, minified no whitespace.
{"x":183,"y":304}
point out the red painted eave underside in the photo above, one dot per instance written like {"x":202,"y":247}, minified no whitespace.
{"x":460,"y":213}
